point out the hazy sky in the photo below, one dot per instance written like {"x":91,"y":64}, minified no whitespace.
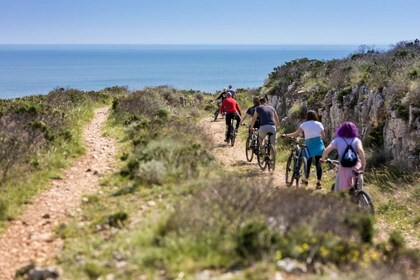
{"x":208,"y":21}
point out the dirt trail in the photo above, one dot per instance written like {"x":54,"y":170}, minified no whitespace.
{"x":233,"y":158}
{"x":30,"y":238}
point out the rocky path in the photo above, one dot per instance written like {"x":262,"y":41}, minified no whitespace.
{"x":234,"y":158}
{"x":31,"y":238}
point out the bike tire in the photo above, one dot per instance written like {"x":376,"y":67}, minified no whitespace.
{"x":289,"y":171}
{"x":261,"y":159}
{"x":272,"y":159}
{"x":233,"y":138}
{"x":249,"y":150}
{"x":303,"y":165}
{"x":365,"y":202}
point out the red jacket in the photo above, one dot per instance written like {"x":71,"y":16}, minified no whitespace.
{"x":230,"y":105}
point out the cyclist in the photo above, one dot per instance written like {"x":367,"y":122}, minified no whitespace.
{"x":269,"y":120}
{"x":232,"y":112}
{"x":250,"y":112}
{"x":222,"y":96}
{"x":346,"y":135}
{"x":314,"y":132}
{"x":233,"y":92}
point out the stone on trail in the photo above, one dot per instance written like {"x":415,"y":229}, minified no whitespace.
{"x":291,"y":266}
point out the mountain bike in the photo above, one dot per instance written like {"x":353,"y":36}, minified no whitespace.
{"x":296,"y":164}
{"x":231,"y":133}
{"x":358,"y":195}
{"x":216,"y":113}
{"x":266,"y":155}
{"x":252,"y":145}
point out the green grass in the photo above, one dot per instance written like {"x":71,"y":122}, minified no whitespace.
{"x":215,"y":221}
{"x":30,"y":176}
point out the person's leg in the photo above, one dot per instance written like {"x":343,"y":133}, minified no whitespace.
{"x":318,"y":171}
{"x":262,"y":132}
{"x":238,"y":120}
{"x":318,"y":168}
{"x":228,"y":121}
{"x":308,"y":167}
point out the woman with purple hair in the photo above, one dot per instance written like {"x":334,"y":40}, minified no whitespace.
{"x":346,"y":135}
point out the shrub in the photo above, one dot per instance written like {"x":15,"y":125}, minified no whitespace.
{"x":375,"y":138}
{"x":116,"y":220}
{"x":3,"y":210}
{"x":254,"y":239}
{"x":298,"y":111}
{"x":151,"y":172}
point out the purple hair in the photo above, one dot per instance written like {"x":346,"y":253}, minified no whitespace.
{"x":347,"y":130}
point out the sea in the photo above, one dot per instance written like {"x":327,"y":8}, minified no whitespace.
{"x":38,"y":69}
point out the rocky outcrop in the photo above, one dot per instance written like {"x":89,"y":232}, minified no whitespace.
{"x":379,"y":123}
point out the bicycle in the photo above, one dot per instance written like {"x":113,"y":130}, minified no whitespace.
{"x":296,"y":165}
{"x":252,"y":145}
{"x":216,"y":113}
{"x":266,"y":155}
{"x":358,"y":196}
{"x":231,"y":133}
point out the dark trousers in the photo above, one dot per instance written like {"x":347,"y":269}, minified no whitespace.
{"x":318,"y":167}
{"x":229,"y":118}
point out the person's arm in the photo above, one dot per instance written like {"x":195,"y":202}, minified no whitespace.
{"x":326,"y":152}
{"x":239,"y":109}
{"x":361,"y":153}
{"x":254,"y":118}
{"x":222,"y":108}
{"x":245,"y":117}
{"x":323,"y":134}
{"x":298,"y":132}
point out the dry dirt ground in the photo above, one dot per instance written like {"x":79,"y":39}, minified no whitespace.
{"x":234,"y":158}
{"x":31,"y":238}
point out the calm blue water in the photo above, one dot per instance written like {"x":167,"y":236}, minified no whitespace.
{"x":27,"y":70}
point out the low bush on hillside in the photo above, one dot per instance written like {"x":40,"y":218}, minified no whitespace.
{"x":37,"y":130}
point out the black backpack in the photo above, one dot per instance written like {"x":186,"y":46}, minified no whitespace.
{"x":349,"y":158}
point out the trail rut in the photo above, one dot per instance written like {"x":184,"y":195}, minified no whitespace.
{"x":30,"y":238}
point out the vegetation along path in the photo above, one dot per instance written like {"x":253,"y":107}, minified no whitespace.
{"x":30,"y":238}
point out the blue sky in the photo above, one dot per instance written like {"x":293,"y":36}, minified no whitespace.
{"x":208,"y":21}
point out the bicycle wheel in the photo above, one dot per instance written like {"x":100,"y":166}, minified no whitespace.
{"x":272,"y":158}
{"x":249,"y":150}
{"x":233,"y":136}
{"x":261,"y":157}
{"x":301,"y":174}
{"x":365,"y":202}
{"x":289,"y":170}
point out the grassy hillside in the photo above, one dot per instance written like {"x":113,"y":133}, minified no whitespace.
{"x":40,"y":135}
{"x":171,"y":212}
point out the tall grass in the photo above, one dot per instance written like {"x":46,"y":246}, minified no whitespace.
{"x":39,"y":135}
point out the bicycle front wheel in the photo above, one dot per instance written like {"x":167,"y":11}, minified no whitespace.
{"x":272,"y":158}
{"x":249,"y":150}
{"x":233,"y":137}
{"x":365,"y":202}
{"x":289,"y":171}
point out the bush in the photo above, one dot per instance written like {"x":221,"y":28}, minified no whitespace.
{"x":255,"y":239}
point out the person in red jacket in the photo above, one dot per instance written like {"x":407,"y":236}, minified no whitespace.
{"x":232,"y":112}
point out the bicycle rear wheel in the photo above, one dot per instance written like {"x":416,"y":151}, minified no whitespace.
{"x":261,"y":158}
{"x":233,"y":137}
{"x":365,"y":202}
{"x":249,"y":149}
{"x":289,"y":170}
{"x":303,"y":165}
{"x":272,"y":158}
